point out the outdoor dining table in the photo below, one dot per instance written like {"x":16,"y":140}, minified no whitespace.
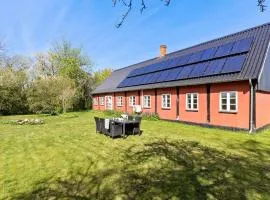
{"x":125,"y":122}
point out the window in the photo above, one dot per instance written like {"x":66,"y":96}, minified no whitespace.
{"x":228,"y":102}
{"x":119,"y":101}
{"x":101,"y":99}
{"x":96,"y":101}
{"x":147,"y":101}
{"x":132,"y":101}
{"x":192,"y":101}
{"x":166,"y":101}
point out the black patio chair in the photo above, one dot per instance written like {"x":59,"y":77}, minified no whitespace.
{"x":98,"y":125}
{"x":115,"y":130}
{"x":130,"y":117}
{"x":137,"y":125}
{"x":102,"y":125}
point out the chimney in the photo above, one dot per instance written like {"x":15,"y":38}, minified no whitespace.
{"x":163,"y":50}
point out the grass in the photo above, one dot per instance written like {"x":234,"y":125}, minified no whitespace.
{"x":66,"y":159}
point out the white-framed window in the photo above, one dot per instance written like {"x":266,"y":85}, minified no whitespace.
{"x":101,"y":100}
{"x":228,"y":102}
{"x":166,"y":101}
{"x":192,"y":101}
{"x":147,"y":101}
{"x":119,"y":101}
{"x":95,"y":101}
{"x":132,"y":101}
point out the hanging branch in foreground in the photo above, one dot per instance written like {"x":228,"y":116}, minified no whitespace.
{"x":261,"y":5}
{"x":129,"y":5}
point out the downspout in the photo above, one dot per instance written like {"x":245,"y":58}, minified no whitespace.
{"x":252,"y":93}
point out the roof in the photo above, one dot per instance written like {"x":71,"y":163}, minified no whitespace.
{"x":251,"y":69}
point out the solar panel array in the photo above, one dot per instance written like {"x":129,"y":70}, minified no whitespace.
{"x":227,"y":58}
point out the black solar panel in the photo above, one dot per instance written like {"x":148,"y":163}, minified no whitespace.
{"x":209,"y":54}
{"x":173,"y":74}
{"x":199,"y":64}
{"x":224,"y":50}
{"x":185,"y":72}
{"x":233,"y":64}
{"x":242,"y":45}
{"x":198,"y":70}
{"x":196,"y":57}
{"x":214,"y":67}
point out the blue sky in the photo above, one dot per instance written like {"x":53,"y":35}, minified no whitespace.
{"x":30,"y":26}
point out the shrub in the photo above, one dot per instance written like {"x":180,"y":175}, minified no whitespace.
{"x":150,"y":116}
{"x":113,"y":113}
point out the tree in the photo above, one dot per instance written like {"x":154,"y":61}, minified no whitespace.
{"x":101,"y":75}
{"x":51,"y":95}
{"x":67,"y":61}
{"x":13,"y":90}
{"x":44,"y":66}
{"x":129,"y":4}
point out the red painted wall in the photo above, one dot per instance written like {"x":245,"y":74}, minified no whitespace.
{"x":151,"y":93}
{"x":262,"y":108}
{"x":199,"y":116}
{"x":239,"y":119}
{"x":166,"y":113}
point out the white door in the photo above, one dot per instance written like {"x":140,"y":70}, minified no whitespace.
{"x":109,"y":103}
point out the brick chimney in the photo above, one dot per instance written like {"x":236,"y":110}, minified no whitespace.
{"x":163,"y":50}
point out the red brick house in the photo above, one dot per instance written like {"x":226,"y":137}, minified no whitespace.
{"x":223,"y":83}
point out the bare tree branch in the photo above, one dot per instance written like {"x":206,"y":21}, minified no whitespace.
{"x":262,"y":5}
{"x":129,"y":6}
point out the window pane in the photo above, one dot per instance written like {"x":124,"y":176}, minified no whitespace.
{"x":233,"y":101}
{"x":224,"y":107}
{"x":195,"y":106}
{"x":224,"y":101}
{"x":233,"y":107}
{"x":232,"y":95}
{"x":224,"y":95}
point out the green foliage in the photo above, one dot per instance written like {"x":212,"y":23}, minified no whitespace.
{"x":72,"y":63}
{"x":101,"y":75}
{"x":55,"y":81}
{"x":145,"y":116}
{"x":51,"y":95}
{"x":150,"y":116}
{"x":113,"y":113}
{"x":12,"y":91}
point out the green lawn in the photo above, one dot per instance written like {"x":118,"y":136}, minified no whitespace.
{"x":66,"y":159}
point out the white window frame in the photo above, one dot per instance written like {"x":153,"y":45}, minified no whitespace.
{"x":192,"y":102}
{"x":166,"y":100}
{"x":102,"y":101}
{"x":119,"y":101}
{"x":228,"y":102}
{"x":106,"y":106}
{"x":146,"y":98}
{"x":132,"y":101}
{"x":96,"y":101}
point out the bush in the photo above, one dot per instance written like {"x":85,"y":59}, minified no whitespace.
{"x":145,"y":116}
{"x":51,"y":95}
{"x":150,"y":116}
{"x":113,"y":113}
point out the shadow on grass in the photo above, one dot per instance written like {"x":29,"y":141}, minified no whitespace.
{"x":165,"y":170}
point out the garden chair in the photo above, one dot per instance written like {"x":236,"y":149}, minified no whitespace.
{"x":137,"y":126}
{"x":115,"y":130}
{"x":98,"y":125}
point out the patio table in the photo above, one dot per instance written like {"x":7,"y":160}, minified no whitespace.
{"x":124,"y":123}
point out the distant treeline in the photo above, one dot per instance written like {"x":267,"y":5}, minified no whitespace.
{"x":52,"y":82}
